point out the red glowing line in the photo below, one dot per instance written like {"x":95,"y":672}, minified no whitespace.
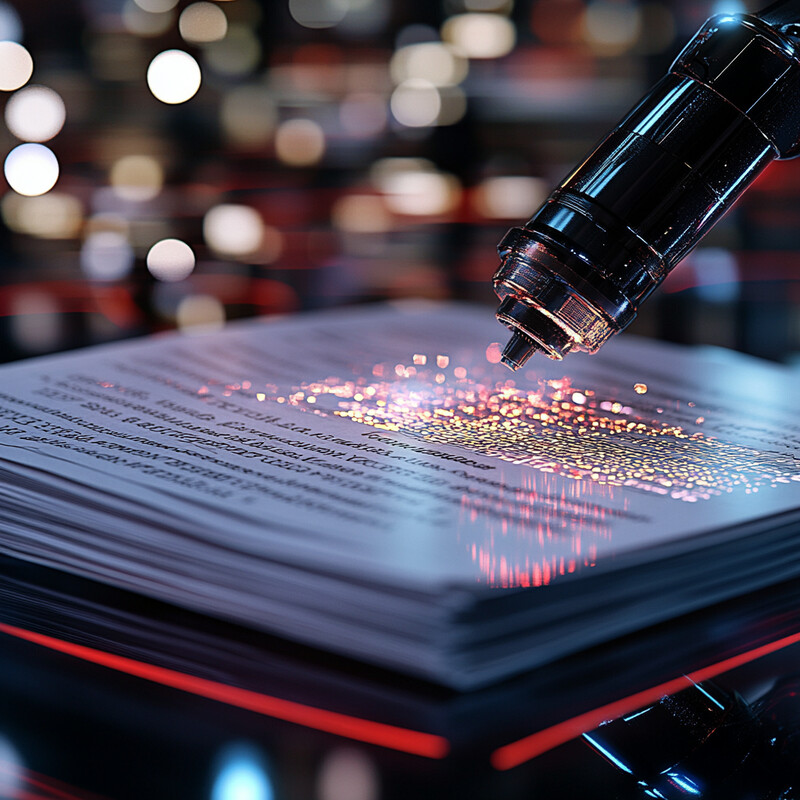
{"x":22,"y":794}
{"x":25,"y":775}
{"x":378,"y":733}
{"x":516,"y":753}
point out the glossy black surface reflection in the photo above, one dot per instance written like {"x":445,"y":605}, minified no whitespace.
{"x":98,"y":730}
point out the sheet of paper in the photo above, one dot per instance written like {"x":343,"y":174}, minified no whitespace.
{"x":385,"y":443}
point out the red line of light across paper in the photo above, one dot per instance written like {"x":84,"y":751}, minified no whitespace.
{"x":378,"y":733}
{"x":516,"y":753}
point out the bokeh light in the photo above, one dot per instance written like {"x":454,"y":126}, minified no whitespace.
{"x":106,"y":255}
{"x":611,"y":27}
{"x":233,"y":230}
{"x":238,"y":54}
{"x":453,"y":105}
{"x":54,"y":215}
{"x":416,"y":103}
{"x":348,"y":774}
{"x":366,"y":17}
{"x":10,"y":23}
{"x":156,"y":6}
{"x":173,"y":77}
{"x":480,"y":35}
{"x":31,"y":169}
{"x":360,"y":213}
{"x":363,"y":114}
{"x":717,"y":278}
{"x":300,"y":142}
{"x":200,"y":313}
{"x":414,"y":187}
{"x":170,"y":260}
{"x":435,"y":62}
{"x":16,"y":66}
{"x":318,"y":13}
{"x":35,"y":114}
{"x":509,"y":196}
{"x":203,"y":22}
{"x":137,"y":178}
{"x":37,"y":326}
{"x":248,"y":116}
{"x":145,"y":23}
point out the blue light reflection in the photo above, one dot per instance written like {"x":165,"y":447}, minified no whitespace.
{"x":684,"y":783}
{"x":608,"y":754}
{"x":728,"y":7}
{"x":242,"y":775}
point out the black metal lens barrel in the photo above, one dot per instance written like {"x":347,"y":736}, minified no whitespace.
{"x":576,"y":273}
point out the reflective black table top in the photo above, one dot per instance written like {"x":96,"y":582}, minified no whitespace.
{"x":105,"y":694}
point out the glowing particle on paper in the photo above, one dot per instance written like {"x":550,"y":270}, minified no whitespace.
{"x":420,"y":359}
{"x":586,"y":455}
{"x":640,"y":388}
{"x":442,"y":361}
{"x":550,"y":426}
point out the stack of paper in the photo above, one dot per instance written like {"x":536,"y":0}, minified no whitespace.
{"x":370,"y":482}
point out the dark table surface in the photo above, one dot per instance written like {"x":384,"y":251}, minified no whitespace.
{"x":103,"y":693}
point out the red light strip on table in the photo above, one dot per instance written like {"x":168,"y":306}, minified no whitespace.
{"x":362,"y":730}
{"x":54,"y":789}
{"x":22,"y":794}
{"x":516,"y":753}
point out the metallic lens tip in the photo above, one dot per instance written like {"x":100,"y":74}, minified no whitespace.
{"x":518,"y":350}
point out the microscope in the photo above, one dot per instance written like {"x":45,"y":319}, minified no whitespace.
{"x":576,"y":272}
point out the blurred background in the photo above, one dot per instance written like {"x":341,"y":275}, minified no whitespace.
{"x":174,"y":163}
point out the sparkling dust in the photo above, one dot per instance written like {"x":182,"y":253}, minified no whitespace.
{"x":552,"y":427}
